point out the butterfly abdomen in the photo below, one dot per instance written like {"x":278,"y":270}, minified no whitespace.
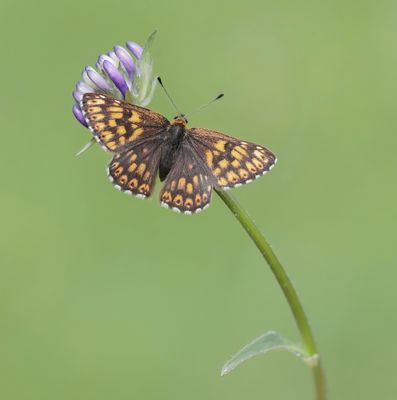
{"x":172,"y":142}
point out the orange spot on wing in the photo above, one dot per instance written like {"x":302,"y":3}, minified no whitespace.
{"x":222,"y":181}
{"x":97,"y":117}
{"x":181,"y":184}
{"x":223,"y":163}
{"x":118,"y":171}
{"x":132,"y":167}
{"x":257,"y":163}
{"x":94,"y":110}
{"x":243,"y":173}
{"x":99,"y":126}
{"x":209,"y":158}
{"x":236,"y":163}
{"x":121,"y":130}
{"x":250,"y":167}
{"x":144,"y":188}
{"x":220,"y":145}
{"x":178,"y":200}
{"x":115,"y":109}
{"x":241,"y":150}
{"x":217,"y":171}
{"x":189,"y":203}
{"x":95,"y":102}
{"x":236,"y":155}
{"x":166,"y":196}
{"x":232,"y":176}
{"x":138,"y":132}
{"x":111,"y":145}
{"x":133,"y":183}
{"x":134,"y":117}
{"x":141,"y":169}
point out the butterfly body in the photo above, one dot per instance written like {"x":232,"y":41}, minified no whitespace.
{"x":190,"y":161}
{"x":173,"y":139}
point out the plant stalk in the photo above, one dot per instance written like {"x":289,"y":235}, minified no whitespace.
{"x":287,"y":288}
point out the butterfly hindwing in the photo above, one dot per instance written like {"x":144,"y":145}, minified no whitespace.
{"x":231,"y":161}
{"x":188,"y":186}
{"x":116,"y":124}
{"x":134,"y":171}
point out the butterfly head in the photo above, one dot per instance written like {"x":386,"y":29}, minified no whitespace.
{"x":179,"y":120}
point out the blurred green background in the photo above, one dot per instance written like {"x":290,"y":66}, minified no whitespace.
{"x":103,"y":296}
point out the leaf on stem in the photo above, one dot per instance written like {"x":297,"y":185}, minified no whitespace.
{"x":269,"y":341}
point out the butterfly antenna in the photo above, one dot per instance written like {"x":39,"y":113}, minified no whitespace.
{"x":168,"y":95}
{"x":206,"y":105}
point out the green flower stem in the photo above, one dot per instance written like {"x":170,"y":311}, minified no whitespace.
{"x":286,"y":286}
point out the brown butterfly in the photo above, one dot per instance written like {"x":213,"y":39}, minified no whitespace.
{"x":191,"y":161}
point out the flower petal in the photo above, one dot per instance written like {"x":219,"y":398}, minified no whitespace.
{"x":86,"y":79}
{"x":83,"y":87}
{"x":79,"y":115}
{"x":113,"y":56}
{"x":77,"y":96}
{"x":116,"y":76}
{"x":98,"y":80}
{"x":126,"y":60}
{"x":104,"y":57}
{"x":135,"y":49}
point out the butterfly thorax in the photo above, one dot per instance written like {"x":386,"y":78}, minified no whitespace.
{"x":172,"y":142}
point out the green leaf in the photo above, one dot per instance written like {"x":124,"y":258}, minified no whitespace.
{"x":269,"y":341}
{"x":144,"y":80}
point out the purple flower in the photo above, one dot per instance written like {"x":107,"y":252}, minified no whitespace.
{"x":114,"y":74}
{"x":125,"y":73}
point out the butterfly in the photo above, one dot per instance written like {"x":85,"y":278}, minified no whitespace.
{"x":190,"y":161}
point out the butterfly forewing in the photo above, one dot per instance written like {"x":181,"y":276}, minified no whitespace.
{"x":231,"y":161}
{"x":117,"y":124}
{"x":188,"y":186}
{"x":134,"y":171}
